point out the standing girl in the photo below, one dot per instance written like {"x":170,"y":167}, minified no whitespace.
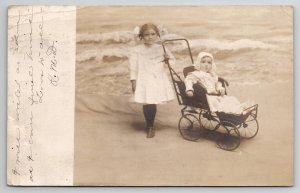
{"x":148,"y":76}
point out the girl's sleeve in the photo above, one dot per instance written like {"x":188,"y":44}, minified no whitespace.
{"x":172,"y":59}
{"x":133,"y":64}
{"x":189,"y":81}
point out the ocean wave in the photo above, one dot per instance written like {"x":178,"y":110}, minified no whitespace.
{"x":248,"y":83}
{"x":253,"y":83}
{"x":224,"y":45}
{"x":110,"y":37}
{"x":110,"y":52}
{"x":106,"y":55}
{"x":120,"y":36}
{"x":117,"y":37}
{"x":132,"y":36}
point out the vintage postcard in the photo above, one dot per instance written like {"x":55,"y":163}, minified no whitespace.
{"x":150,"y":96}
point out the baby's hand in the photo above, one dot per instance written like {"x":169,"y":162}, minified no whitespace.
{"x":189,"y":93}
{"x":222,"y":91}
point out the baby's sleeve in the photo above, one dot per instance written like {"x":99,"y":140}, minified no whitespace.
{"x":133,"y":64}
{"x":189,"y":81}
{"x":215,"y":77}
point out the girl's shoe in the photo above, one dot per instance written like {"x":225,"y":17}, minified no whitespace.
{"x":150,"y":132}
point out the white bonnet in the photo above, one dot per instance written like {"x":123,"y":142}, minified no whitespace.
{"x":202,"y":55}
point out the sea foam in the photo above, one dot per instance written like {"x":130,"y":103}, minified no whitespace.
{"x":115,"y":45}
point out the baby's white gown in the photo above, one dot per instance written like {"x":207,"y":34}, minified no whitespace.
{"x":226,"y":104}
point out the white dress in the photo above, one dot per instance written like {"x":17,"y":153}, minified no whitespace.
{"x":151,"y":74}
{"x":225,"y":103}
{"x":207,"y":80}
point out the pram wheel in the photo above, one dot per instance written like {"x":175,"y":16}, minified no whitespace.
{"x":230,"y":140}
{"x":189,"y":127}
{"x":207,"y":120}
{"x":249,"y":128}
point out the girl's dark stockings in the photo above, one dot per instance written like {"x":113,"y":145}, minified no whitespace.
{"x":149,"y":113}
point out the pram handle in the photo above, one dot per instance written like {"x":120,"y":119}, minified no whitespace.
{"x":173,"y":40}
{"x":172,"y":71}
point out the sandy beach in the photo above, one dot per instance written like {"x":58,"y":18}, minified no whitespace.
{"x":253,"y":50}
{"x":112,"y":149}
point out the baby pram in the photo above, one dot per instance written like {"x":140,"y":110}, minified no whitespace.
{"x":197,"y":119}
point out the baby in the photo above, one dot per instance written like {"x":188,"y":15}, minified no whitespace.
{"x":205,"y":75}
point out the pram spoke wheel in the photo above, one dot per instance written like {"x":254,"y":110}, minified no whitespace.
{"x":207,"y":120}
{"x":230,"y":140}
{"x":189,"y":127}
{"x":249,"y":128}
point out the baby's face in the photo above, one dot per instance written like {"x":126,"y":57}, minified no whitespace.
{"x":149,"y":36}
{"x":206,"y":64}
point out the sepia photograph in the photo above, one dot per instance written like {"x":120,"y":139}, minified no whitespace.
{"x":184,"y":96}
{"x":150,"y":96}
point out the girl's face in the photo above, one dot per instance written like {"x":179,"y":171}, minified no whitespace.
{"x":150,"y":36}
{"x":206,"y":64}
